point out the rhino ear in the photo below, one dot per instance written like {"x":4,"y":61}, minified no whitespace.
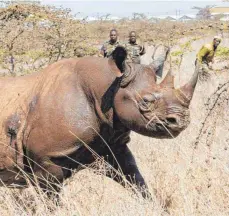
{"x":119,"y":56}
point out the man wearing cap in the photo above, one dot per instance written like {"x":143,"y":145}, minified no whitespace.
{"x":134,"y":49}
{"x":206,"y":54}
{"x":109,"y":46}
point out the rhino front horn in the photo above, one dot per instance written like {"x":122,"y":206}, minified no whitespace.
{"x":188,"y":89}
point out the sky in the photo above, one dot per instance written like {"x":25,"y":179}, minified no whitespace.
{"x":127,"y":7}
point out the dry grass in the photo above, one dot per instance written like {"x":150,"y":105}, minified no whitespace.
{"x":89,"y":192}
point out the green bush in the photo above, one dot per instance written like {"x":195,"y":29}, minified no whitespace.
{"x":177,"y":53}
{"x":3,"y":54}
{"x":222,"y":51}
{"x":85,"y":50}
{"x":187,"y":45}
{"x":35,"y":54}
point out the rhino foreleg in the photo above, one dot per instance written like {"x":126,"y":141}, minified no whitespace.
{"x":130,"y":169}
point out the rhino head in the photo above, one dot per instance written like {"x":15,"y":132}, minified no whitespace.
{"x":151,"y":109}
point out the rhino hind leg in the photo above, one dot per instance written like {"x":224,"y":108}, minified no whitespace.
{"x":130,"y":169}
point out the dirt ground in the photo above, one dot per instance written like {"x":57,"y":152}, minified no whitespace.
{"x":187,"y":176}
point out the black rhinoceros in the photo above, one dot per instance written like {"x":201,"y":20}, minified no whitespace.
{"x":50,"y":118}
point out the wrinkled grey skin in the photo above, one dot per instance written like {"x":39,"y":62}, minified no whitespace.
{"x":48,"y":117}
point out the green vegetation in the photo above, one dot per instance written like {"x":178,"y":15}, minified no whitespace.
{"x":176,"y":61}
{"x":177,"y":53}
{"x":183,"y":48}
{"x":35,"y":54}
{"x":2,"y":54}
{"x":222,"y":51}
{"x":187,"y":46}
{"x":85,"y":50}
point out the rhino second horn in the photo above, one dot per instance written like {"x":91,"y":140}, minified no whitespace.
{"x":168,"y":81}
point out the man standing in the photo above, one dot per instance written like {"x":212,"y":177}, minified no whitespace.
{"x":109,"y":46}
{"x":134,"y":49}
{"x":206,"y":54}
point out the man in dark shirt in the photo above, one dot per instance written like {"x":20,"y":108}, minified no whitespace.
{"x":109,"y":46}
{"x":134,"y":49}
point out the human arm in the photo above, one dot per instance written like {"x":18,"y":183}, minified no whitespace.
{"x":210,"y":65}
{"x":142,"y":50}
{"x":103,"y":51}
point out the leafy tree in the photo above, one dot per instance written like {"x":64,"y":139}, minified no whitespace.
{"x":29,"y":30}
{"x":139,"y":16}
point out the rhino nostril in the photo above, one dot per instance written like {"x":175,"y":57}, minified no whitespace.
{"x":171,"y":120}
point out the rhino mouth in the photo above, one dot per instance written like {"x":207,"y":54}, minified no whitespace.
{"x":161,"y":129}
{"x":168,"y":127}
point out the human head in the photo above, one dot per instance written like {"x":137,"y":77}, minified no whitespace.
{"x":216,"y":41}
{"x":113,"y":35}
{"x":132,"y":37}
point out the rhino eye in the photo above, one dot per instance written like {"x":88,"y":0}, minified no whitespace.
{"x":149,"y":98}
{"x":145,"y":103}
{"x":145,"y":99}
